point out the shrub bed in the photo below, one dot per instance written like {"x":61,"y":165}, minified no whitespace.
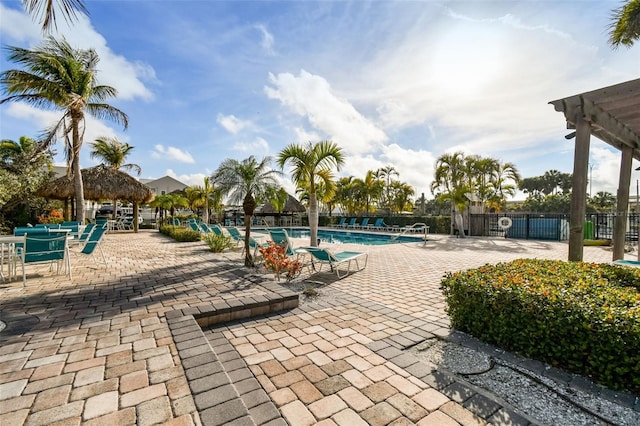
{"x":218,"y":243}
{"x":180,"y":233}
{"x":582,"y":317}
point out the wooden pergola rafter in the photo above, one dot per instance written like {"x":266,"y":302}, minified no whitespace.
{"x":612,"y":114}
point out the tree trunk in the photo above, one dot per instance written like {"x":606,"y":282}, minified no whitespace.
{"x":249,"y":206}
{"x":313,"y":220}
{"x":75,"y":166}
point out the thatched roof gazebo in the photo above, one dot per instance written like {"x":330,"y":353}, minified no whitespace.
{"x":102,"y":183}
{"x":291,"y":207}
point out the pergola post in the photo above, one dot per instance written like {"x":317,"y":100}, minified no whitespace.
{"x":622,"y":210}
{"x":579,"y":189}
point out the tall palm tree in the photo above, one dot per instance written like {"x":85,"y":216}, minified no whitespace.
{"x":47,"y":9}
{"x":111,"y":152}
{"x":505,"y":182}
{"x":245,"y":181}
{"x":205,"y":196}
{"x":451,"y":183}
{"x":313,"y":163}
{"x":625,"y":24}
{"x":15,"y":155}
{"x":60,"y":77}
{"x":401,"y":194}
{"x":385,"y":174}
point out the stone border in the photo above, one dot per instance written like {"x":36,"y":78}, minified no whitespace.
{"x":224,"y":389}
{"x":477,"y":400}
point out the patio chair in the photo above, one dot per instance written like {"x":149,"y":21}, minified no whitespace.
{"x":73,"y":228}
{"x":86,"y":232}
{"x":379,"y":225}
{"x":352,"y":223}
{"x":255,"y":245}
{"x":341,"y":223}
{"x":335,"y":260}
{"x":93,"y":241}
{"x":40,"y":248}
{"x":281,"y":238}
{"x":364,"y":223}
{"x":235,"y":234}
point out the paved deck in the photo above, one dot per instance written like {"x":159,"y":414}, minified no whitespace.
{"x":120,"y":345}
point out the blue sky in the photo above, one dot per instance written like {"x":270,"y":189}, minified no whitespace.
{"x":393,"y":83}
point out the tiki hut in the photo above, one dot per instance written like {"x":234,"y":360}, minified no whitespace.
{"x":291,"y":208}
{"x":102,"y":183}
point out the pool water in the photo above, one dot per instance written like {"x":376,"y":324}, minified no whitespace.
{"x":348,"y":237}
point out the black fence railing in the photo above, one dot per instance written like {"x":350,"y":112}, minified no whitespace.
{"x":550,"y":226}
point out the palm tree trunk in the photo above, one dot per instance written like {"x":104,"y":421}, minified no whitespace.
{"x":75,"y":167}
{"x":249,"y":206}
{"x":313,"y":219}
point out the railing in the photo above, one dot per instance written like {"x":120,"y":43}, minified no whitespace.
{"x":422,"y":227}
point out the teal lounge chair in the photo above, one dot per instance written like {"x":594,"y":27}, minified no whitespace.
{"x":235,"y":234}
{"x":86,"y":232}
{"x":364,"y":223}
{"x":335,"y":260}
{"x":38,"y":248}
{"x":255,"y":246}
{"x":342,"y":223}
{"x":93,"y":242}
{"x":352,"y":223}
{"x":280,"y":237}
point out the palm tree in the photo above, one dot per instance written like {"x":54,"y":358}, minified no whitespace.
{"x":60,"y":77}
{"x":401,"y":194}
{"x":246,"y":180}
{"x":205,"y":196}
{"x":386,"y":173}
{"x":47,"y":8}
{"x":625,"y":24}
{"x":313,"y":163}
{"x":16,"y":155}
{"x":113,"y":153}
{"x":169,"y":202}
{"x":451,"y":183}
{"x":603,"y":201}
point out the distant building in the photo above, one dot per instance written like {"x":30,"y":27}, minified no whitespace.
{"x":164,"y":185}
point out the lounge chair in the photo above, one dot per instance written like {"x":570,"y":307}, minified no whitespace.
{"x":86,"y":232}
{"x":352,"y":223}
{"x":235,"y":234}
{"x":335,"y":260}
{"x":93,"y":242}
{"x":379,"y":225}
{"x":280,"y":237}
{"x":342,"y":223}
{"x":364,"y":223}
{"x":255,"y":245}
{"x":630,"y":263}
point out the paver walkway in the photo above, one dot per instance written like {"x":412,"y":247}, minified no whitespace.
{"x":99,"y":349}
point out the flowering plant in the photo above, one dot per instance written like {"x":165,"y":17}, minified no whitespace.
{"x":53,"y":216}
{"x":276,"y":260}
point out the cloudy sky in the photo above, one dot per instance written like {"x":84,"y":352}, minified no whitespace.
{"x":393,"y":83}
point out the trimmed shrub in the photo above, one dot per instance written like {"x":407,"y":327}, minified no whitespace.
{"x":217,"y":243}
{"x":180,"y":234}
{"x":582,"y":317}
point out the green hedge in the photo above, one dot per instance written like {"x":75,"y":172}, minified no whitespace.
{"x":180,"y":233}
{"x":582,"y":317}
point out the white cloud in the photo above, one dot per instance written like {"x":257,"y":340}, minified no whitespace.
{"x":126,"y":76}
{"x":258,"y":145}
{"x":171,"y":153}
{"x":188,"y":179}
{"x":267,"y":38}
{"x":233,"y":124}
{"x":311,"y":96}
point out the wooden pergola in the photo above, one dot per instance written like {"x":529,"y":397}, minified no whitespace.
{"x":612,"y":114}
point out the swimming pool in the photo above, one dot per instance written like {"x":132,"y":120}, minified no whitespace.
{"x":348,"y":237}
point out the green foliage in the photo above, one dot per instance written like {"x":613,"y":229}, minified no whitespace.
{"x":581,"y":317}
{"x":218,"y":243}
{"x":180,"y":234}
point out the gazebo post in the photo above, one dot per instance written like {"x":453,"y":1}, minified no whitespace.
{"x":620,"y":225}
{"x":135,"y":216}
{"x":579,"y":188}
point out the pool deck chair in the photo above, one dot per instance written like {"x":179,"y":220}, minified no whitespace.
{"x":364,"y":223}
{"x":255,"y":245}
{"x":352,"y":223}
{"x":51,"y":248}
{"x":281,"y":238}
{"x":342,"y":223}
{"x":335,"y":260}
{"x":93,"y":242}
{"x":235,"y":234}
{"x":631,"y":263}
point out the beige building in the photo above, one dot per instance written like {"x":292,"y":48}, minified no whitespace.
{"x":164,"y":185}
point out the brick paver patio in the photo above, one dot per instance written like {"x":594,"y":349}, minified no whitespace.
{"x":103,"y":348}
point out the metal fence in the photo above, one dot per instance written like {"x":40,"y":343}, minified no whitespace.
{"x":550,"y":226}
